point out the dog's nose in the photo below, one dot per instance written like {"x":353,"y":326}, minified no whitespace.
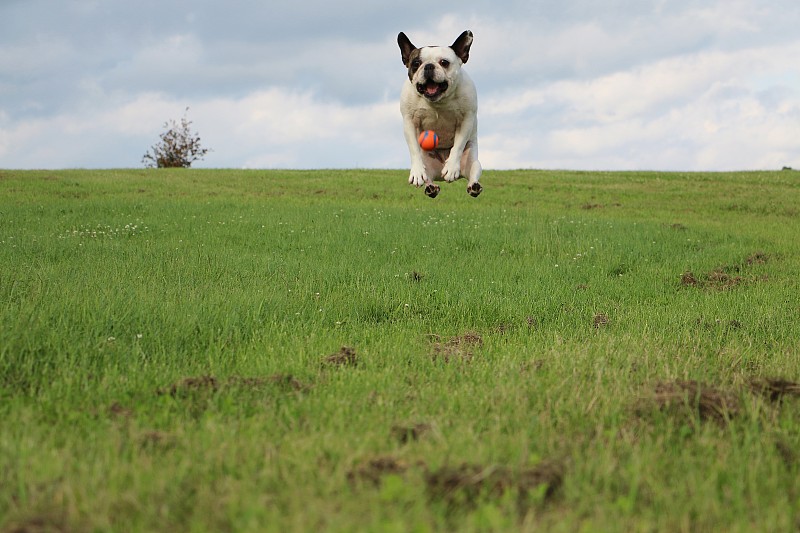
{"x":429,"y":67}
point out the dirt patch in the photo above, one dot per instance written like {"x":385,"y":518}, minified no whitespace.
{"x":459,"y":348}
{"x":416,"y":276}
{"x":786,"y":452}
{"x":189,"y":385}
{"x":503,"y":328}
{"x":548,"y":474}
{"x":156,"y":440}
{"x":346,"y":356}
{"x":410,"y":433}
{"x":210,"y":384}
{"x":372,"y":470}
{"x":688,"y":279}
{"x":467,"y":483}
{"x":117,"y":410}
{"x":692,"y":398}
{"x":721,"y":280}
{"x":285,"y":382}
{"x":757,"y":258}
{"x":588,"y":205}
{"x":599,"y":320}
{"x":726,"y":277}
{"x":52,"y":523}
{"x":774,"y":390}
{"x":717,"y":279}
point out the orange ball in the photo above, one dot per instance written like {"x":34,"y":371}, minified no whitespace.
{"x":428,"y":140}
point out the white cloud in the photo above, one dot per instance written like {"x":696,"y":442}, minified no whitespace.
{"x":277,"y":128}
{"x":271,"y":128}
{"x":700,"y":111}
{"x":684,"y":84}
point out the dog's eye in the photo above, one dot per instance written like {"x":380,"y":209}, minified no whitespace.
{"x":445,"y":63}
{"x":416,"y":63}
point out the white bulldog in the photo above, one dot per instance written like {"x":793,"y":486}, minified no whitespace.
{"x":440,"y":96}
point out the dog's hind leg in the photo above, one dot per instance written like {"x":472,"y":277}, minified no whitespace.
{"x":474,"y":188}
{"x":471,"y":167}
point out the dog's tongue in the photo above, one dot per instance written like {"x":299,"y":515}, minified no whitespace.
{"x":431,"y":87}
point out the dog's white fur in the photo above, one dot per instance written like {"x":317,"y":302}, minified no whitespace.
{"x":439,"y":95}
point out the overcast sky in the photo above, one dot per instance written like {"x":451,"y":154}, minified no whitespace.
{"x":572,"y":84}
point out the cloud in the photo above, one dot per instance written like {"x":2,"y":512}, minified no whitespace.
{"x":678,"y":85}
{"x":273,"y":128}
{"x":276,"y":128}
{"x":711,"y":110}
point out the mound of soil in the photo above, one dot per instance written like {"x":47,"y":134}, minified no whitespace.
{"x":346,"y":356}
{"x":466,"y":483}
{"x":693,"y":399}
{"x":410,"y":433}
{"x":459,"y":348}
{"x":372,"y":470}
{"x":726,"y":277}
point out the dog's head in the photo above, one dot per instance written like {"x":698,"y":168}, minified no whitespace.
{"x":435,"y":70}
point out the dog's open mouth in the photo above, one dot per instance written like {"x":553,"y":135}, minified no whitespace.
{"x":430,"y":89}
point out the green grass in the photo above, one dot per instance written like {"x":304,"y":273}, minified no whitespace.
{"x":164,"y":335}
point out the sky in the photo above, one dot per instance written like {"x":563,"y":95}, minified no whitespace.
{"x":674,"y":85}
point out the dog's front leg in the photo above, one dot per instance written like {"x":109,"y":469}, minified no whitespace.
{"x":452,"y":167}
{"x":419,"y":174}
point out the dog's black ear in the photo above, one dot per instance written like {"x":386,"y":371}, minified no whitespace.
{"x":405,"y":47}
{"x":462,"y":44}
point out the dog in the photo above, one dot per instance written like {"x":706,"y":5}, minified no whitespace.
{"x":440,"y":96}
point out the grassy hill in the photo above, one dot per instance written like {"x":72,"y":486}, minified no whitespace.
{"x":220,"y":350}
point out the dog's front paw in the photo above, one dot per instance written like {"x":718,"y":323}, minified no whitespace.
{"x":417,"y":176}
{"x":474,"y":189}
{"x":432,"y":190}
{"x":451,"y":171}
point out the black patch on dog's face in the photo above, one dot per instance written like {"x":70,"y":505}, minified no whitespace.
{"x":414,"y":63}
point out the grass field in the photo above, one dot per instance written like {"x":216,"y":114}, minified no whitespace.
{"x":218,"y":350}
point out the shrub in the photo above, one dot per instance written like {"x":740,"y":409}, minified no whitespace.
{"x":178,"y":147}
